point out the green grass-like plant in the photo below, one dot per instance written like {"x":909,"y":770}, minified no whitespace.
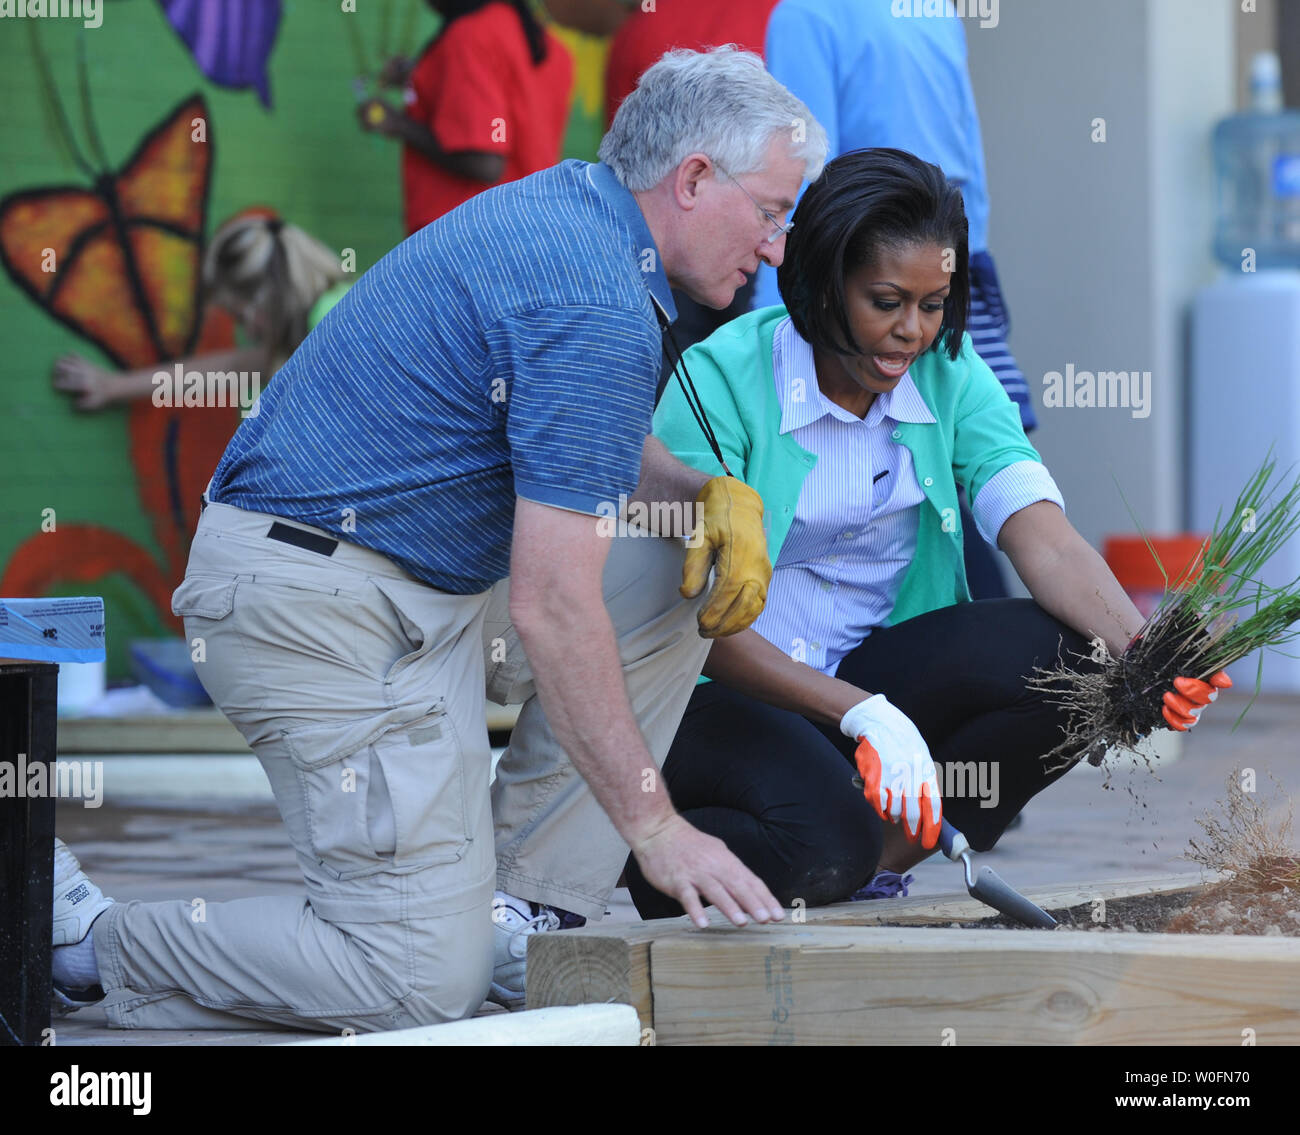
{"x":1214,"y":613}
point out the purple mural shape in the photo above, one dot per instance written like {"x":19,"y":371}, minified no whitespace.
{"x":230,"y":40}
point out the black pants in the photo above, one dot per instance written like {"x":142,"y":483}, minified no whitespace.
{"x":983,"y":575}
{"x":777,"y":788}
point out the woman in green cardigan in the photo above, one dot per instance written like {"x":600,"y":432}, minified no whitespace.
{"x":856,"y":411}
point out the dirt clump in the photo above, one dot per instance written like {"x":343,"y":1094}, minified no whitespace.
{"x":1224,"y":911}
{"x":1246,"y":846}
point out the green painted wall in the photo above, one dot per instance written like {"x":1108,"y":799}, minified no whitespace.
{"x":305,"y":157}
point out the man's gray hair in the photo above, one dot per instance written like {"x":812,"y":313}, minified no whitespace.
{"x":720,"y":102}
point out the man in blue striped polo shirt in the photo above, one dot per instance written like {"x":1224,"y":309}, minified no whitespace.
{"x":476,"y":408}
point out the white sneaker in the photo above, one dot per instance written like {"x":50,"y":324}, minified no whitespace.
{"x":77,"y":901}
{"x":513,"y":921}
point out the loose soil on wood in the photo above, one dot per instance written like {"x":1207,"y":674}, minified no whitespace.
{"x":1212,"y":910}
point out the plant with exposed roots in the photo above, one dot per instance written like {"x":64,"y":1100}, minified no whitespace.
{"x":1213,"y":613}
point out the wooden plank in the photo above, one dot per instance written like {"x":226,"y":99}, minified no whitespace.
{"x":592,"y":965}
{"x":183,"y":731}
{"x":880,"y":985}
{"x":569,"y":1026}
{"x":187,"y":731}
{"x":611,"y":961}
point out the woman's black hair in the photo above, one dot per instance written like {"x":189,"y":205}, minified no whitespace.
{"x":452,"y":10}
{"x":866,"y":201}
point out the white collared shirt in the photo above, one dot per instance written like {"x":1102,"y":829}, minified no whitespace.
{"x":854,"y":530}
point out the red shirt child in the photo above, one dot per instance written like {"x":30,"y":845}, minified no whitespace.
{"x":476,"y":88}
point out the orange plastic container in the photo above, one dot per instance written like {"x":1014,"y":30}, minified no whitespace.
{"x":1139,"y":574}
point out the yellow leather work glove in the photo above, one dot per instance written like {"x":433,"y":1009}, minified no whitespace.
{"x":729,"y":538}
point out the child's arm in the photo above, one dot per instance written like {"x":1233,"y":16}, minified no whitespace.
{"x":478,"y":165}
{"x":96,"y":388}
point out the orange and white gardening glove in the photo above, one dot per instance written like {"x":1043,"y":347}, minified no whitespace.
{"x":1185,"y":702}
{"x":898,"y":774}
{"x":729,"y":538}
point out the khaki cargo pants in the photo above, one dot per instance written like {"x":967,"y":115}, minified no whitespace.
{"x":362,"y":693}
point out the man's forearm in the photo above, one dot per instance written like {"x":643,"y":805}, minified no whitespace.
{"x":665,"y":481}
{"x":574,"y":657}
{"x":750,"y":664}
{"x":664,"y":478}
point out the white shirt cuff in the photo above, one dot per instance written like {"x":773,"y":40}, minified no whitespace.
{"x":1008,"y":491}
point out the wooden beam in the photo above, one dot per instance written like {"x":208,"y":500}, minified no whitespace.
{"x":594,"y":966}
{"x":881,"y":985}
{"x":612,"y":961}
{"x":188,"y":731}
{"x":584,"y":1025}
{"x":183,"y":731}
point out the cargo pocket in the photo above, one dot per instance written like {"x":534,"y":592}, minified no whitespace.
{"x":333,"y":767}
{"x":422,"y":766}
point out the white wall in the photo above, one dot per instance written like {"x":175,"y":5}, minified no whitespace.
{"x":1100,"y":245}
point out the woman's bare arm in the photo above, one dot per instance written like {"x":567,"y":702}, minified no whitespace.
{"x":1067,"y":577}
{"x":749,"y":663}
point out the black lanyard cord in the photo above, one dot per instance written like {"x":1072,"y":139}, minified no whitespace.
{"x":688,"y":388}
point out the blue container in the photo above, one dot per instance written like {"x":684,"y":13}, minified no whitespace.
{"x":164,"y":665}
{"x":1257,"y":176}
{"x":1257,"y":170}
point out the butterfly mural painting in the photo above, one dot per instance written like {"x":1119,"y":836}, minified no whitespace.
{"x":74,"y":249}
{"x":118,"y":262}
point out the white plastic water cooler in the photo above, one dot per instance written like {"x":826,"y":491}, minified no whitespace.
{"x":1245,"y":397}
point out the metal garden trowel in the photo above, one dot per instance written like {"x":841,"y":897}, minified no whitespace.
{"x":987,"y":886}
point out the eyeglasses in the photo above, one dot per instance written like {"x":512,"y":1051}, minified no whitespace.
{"x":779,"y":230}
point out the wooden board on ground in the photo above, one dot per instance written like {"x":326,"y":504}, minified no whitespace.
{"x":562,"y":1026}
{"x":187,"y":731}
{"x":613,"y":962}
{"x":888,"y":985}
{"x":184,"y":731}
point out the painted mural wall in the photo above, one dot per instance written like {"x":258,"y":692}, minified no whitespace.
{"x":124,"y":146}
